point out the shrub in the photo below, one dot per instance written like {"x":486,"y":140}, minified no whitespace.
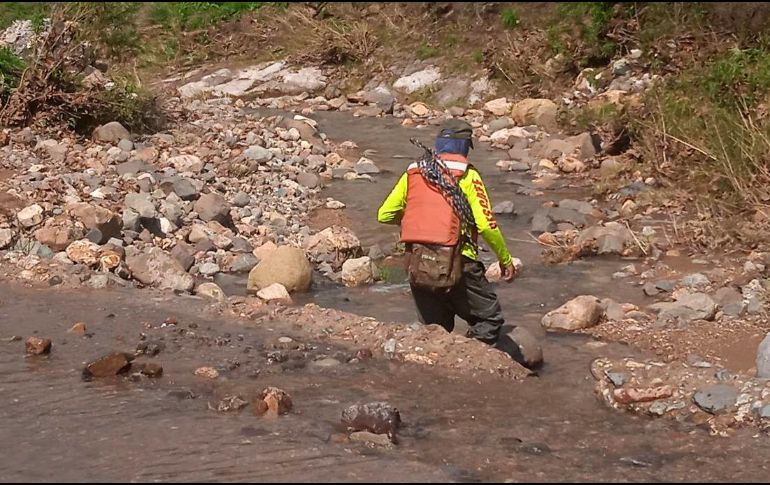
{"x":510,"y":18}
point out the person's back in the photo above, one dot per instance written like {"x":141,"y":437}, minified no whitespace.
{"x":427,"y":210}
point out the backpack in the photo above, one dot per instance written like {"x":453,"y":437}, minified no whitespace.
{"x":434,"y":267}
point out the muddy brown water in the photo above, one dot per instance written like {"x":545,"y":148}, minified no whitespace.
{"x":549,"y":428}
{"x":457,"y":428}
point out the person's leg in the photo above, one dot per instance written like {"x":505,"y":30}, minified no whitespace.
{"x":432,"y":307}
{"x":475,"y":301}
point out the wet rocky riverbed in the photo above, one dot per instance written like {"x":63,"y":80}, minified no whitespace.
{"x":549,"y":427}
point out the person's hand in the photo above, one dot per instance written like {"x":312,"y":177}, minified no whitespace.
{"x":508,"y":273}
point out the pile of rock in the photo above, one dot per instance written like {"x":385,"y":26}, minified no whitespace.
{"x":697,"y":392}
{"x":164,"y":209}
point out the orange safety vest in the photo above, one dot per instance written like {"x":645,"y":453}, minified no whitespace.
{"x":428,"y":217}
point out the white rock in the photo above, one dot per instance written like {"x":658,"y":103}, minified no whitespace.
{"x":83,"y":252}
{"x":275,"y":292}
{"x":498,"y":107}
{"x":186,"y":163}
{"x":581,"y":312}
{"x":211,"y":290}
{"x":30,"y":216}
{"x":358,"y":271}
{"x":335,"y":204}
{"x":418,"y":80}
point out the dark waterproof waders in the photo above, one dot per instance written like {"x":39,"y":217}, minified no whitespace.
{"x":473,"y":299}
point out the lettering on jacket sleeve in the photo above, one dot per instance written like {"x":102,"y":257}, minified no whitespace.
{"x":478,"y":185}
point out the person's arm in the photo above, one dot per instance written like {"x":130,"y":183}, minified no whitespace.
{"x":478,"y":199}
{"x":393,"y":208}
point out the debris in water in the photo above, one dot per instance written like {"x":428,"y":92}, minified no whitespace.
{"x":229,"y":403}
{"x":108,"y":365}
{"x":38,"y":346}
{"x":207,"y":372}
{"x":376,"y":417}
{"x":272,"y":402}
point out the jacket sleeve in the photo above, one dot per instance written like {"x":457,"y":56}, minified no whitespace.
{"x":478,"y":199}
{"x":392,"y":209}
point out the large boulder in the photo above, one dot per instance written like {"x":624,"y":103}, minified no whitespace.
{"x":690,"y":307}
{"x":716,"y":399}
{"x":418,"y":80}
{"x":334,"y":245}
{"x":357,"y":272}
{"x":182,"y":187}
{"x":498,"y":107}
{"x":142,"y":204}
{"x":611,"y":238}
{"x":211,"y":291}
{"x":30,"y":216}
{"x":307,"y":79}
{"x":582,"y":147}
{"x":522,"y":346}
{"x":382,"y":97}
{"x":112,"y":132}
{"x":95,"y":218}
{"x":275,"y":292}
{"x":56,"y":237}
{"x":285,"y":265}
{"x":157,"y":268}
{"x":454,"y":92}
{"x":186,"y":163}
{"x":184,"y":254}
{"x":258,"y":154}
{"x":582,"y":312}
{"x":84,"y":252}
{"x":540,"y":112}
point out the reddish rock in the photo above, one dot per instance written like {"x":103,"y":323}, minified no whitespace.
{"x":632,"y":395}
{"x":376,"y":417}
{"x":78,"y":329}
{"x":38,"y":346}
{"x":207,"y":372}
{"x":58,"y":238}
{"x":108,"y":365}
{"x":272,"y":401}
{"x":151,"y":369}
{"x":364,"y":354}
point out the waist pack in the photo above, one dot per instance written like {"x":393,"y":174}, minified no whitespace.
{"x":434,"y":267}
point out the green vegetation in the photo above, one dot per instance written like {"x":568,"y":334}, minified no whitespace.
{"x":425,"y":51}
{"x":134,"y":107}
{"x":510,"y":18}
{"x":606,"y":115}
{"x":391,"y":274}
{"x":593,"y":20}
{"x":11,"y":67}
{"x":478,"y":56}
{"x":198,"y":15}
{"x":713,"y":119}
{"x":34,"y":11}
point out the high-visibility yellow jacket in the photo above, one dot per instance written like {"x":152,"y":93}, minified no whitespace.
{"x":392,"y":211}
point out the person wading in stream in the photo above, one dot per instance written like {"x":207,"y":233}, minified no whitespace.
{"x":442,"y":205}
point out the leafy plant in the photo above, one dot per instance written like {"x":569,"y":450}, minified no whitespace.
{"x":425,"y":51}
{"x":510,"y":18}
{"x":11,"y":67}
